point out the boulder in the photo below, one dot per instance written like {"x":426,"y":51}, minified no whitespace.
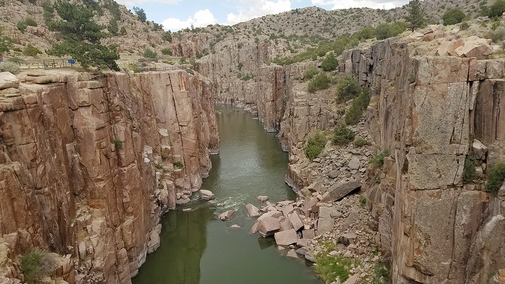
{"x":225,"y":215}
{"x":206,"y":194}
{"x":449,"y":48}
{"x":310,"y":257}
{"x":286,"y":238}
{"x":308,"y":234}
{"x":295,"y":220}
{"x":474,"y":47}
{"x":268,"y":226}
{"x":347,"y":239}
{"x":8,"y":80}
{"x":479,"y":150}
{"x":286,"y":225}
{"x":287,"y":210}
{"x":352,"y":280}
{"x":292,"y":254}
{"x":340,"y":190}
{"x":254,"y":228}
{"x":235,"y":226}
{"x":252,"y":210}
{"x":354,"y":163}
{"x":262,"y":198}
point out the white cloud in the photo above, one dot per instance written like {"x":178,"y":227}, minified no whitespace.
{"x":256,"y":9}
{"x":380,"y":4}
{"x":131,"y":2}
{"x":202,"y":18}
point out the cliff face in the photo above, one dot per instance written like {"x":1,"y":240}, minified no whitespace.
{"x":87,"y":166}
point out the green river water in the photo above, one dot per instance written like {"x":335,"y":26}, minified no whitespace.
{"x":198,"y":248}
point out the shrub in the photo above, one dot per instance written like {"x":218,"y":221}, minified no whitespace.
{"x":499,"y":34}
{"x":179,"y":165}
{"x":378,"y":160}
{"x":315,"y":145}
{"x":381,"y":273}
{"x":167,"y":36}
{"x":360,"y":142}
{"x":149,"y":53}
{"x":36,"y":265}
{"x":382,"y":31}
{"x":469,"y":169}
{"x":183,"y":60}
{"x":31,"y":51}
{"x":347,"y":88}
{"x":190,"y":71}
{"x":362,"y":201}
{"x":9,"y":67}
{"x":118,"y":143}
{"x":319,"y":82}
{"x":30,"y":22}
{"x":311,"y":72}
{"x":358,"y":106}
{"x":164,"y":155}
{"x":453,"y":16}
{"x":495,"y":178}
{"x":123,"y":31}
{"x":329,"y":63}
{"x":21,"y":26}
{"x":166,"y":51}
{"x":342,"y":135}
{"x":240,"y":65}
{"x":497,"y":9}
{"x":464,"y":26}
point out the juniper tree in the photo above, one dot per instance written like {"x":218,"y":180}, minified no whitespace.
{"x":416,"y":17}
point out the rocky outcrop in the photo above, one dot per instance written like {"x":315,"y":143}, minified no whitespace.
{"x":88,"y":164}
{"x":424,"y":111}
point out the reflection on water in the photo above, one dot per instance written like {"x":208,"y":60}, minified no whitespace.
{"x":197,"y":248}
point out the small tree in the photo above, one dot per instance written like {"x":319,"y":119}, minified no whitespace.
{"x":453,"y":16}
{"x":496,"y":9}
{"x":140,"y":13}
{"x":329,"y":63}
{"x":416,"y":17}
{"x":149,"y":53}
{"x":5,"y":43}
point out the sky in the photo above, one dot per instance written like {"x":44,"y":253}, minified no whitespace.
{"x":180,"y":14}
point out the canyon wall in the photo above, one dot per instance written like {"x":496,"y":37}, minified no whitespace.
{"x":88,"y":165}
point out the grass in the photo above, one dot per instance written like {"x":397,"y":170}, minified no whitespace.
{"x":330,"y":268}
{"x":495,"y":179}
{"x":118,"y":143}
{"x":381,"y":273}
{"x":378,"y":160}
{"x":315,"y":145}
{"x":362,"y":201}
{"x":35,"y":265}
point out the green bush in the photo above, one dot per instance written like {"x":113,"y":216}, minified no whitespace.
{"x":382,"y":31}
{"x":329,"y":63}
{"x":342,"y":135}
{"x":362,"y":201}
{"x":167,"y":36}
{"x":190,"y":71}
{"x":36,"y":265}
{"x":183,"y":60}
{"x":464,"y":26}
{"x":149,"y":53}
{"x":497,"y":9}
{"x":311,"y":72}
{"x":21,"y":26}
{"x":381,"y":273}
{"x":358,"y":106}
{"x":453,"y":16}
{"x":319,"y":82}
{"x":315,"y":145}
{"x":378,"y":160}
{"x":179,"y":165}
{"x":30,"y":22}
{"x":330,"y":268}
{"x":118,"y":143}
{"x":360,"y":142}
{"x":495,"y":178}
{"x":347,"y":88}
{"x":9,"y":67}
{"x":469,"y":169}
{"x":498,"y":35}
{"x":166,"y":51}
{"x":31,"y":51}
{"x":123,"y":31}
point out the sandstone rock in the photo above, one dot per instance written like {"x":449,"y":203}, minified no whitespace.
{"x":341,"y":189}
{"x":479,"y":150}
{"x":8,"y":80}
{"x":347,"y":239}
{"x":226,"y":215}
{"x":474,"y":47}
{"x":352,"y":280}
{"x":262,"y":198}
{"x":206,"y":194}
{"x":268,"y":226}
{"x":286,"y":238}
{"x":254,"y":228}
{"x":295,"y":220}
{"x":354,"y":163}
{"x":292,"y":254}
{"x":286,"y":225}
{"x":252,"y":210}
{"x":286,"y":210}
{"x":308,"y":256}
{"x":308,"y":234}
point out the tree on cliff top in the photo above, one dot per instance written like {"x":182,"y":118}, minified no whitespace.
{"x":81,"y":37}
{"x":416,"y":15}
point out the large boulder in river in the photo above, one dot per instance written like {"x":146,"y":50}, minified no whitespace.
{"x":262,"y":198}
{"x":225,"y":215}
{"x":286,"y":238}
{"x":206,"y":194}
{"x":268,"y":226}
{"x":252,"y":210}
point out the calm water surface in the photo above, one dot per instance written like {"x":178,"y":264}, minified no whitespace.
{"x":197,"y":248}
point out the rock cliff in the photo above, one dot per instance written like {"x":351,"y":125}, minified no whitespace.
{"x":88,"y":165}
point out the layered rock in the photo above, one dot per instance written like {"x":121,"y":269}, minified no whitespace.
{"x":87,"y":165}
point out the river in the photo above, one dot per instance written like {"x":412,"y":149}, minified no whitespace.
{"x":198,"y":248}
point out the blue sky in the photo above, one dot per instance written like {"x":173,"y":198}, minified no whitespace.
{"x":179,"y":14}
